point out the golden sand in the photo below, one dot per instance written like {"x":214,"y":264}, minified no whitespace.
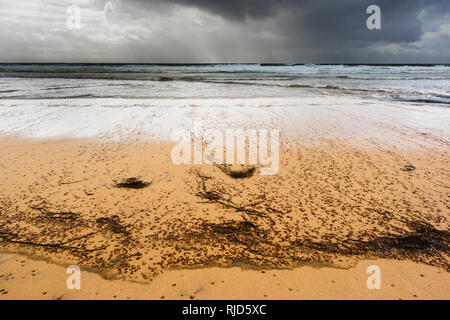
{"x":328,"y":208}
{"x":22,"y":278}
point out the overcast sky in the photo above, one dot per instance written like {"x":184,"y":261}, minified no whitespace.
{"x":157,"y":31}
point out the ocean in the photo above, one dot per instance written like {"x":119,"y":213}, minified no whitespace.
{"x":413,"y":84}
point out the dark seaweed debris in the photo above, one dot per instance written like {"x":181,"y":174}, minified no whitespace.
{"x":409,"y":167}
{"x":236,"y":232}
{"x":424,"y":237}
{"x":113,"y":224}
{"x":422,"y":240}
{"x":233,"y":227}
{"x":423,"y":244}
{"x":132,"y":183}
{"x":12,"y":238}
{"x":241,"y":173}
{"x":57,"y":215}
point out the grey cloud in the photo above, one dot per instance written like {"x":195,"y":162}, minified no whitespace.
{"x":319,"y":19}
{"x":236,"y":10}
{"x":244,"y":30}
{"x":317,"y":29}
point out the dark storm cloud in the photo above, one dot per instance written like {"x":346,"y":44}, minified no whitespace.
{"x":231,"y":31}
{"x":242,"y":9}
{"x":322,"y":28}
{"x":319,"y":20}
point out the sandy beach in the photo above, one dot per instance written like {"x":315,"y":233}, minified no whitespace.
{"x":224,"y":150}
{"x":358,"y":184}
{"x":401,"y":280}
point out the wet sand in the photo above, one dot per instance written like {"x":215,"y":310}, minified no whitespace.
{"x":357,"y":184}
{"x":22,"y":278}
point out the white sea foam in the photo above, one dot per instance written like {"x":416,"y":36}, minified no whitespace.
{"x":154,"y":119}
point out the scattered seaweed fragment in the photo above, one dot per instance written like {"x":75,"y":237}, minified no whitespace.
{"x":113,"y":224}
{"x":408,"y":168}
{"x":233,"y":227}
{"x":240,"y":172}
{"x":12,"y":238}
{"x":72,"y":182}
{"x":58,"y":215}
{"x":132,"y":183}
